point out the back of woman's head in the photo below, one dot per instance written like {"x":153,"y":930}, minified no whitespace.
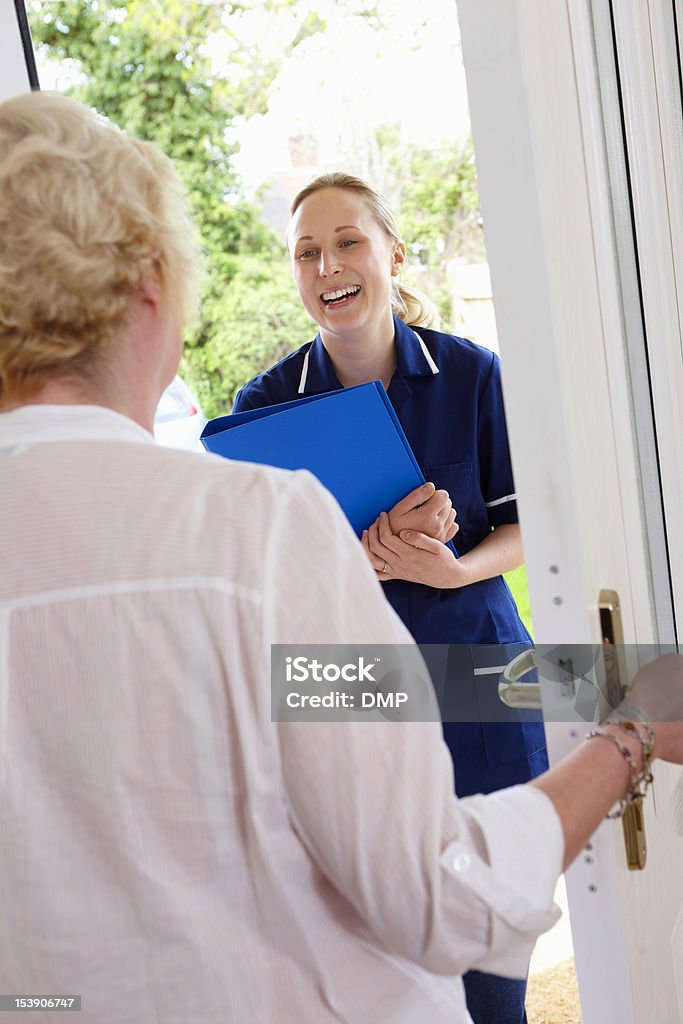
{"x":86,"y":215}
{"x":409,"y":304}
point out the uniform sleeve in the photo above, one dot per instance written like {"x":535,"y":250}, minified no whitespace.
{"x":447,"y":884}
{"x":495,"y":467}
{"x":247,"y":398}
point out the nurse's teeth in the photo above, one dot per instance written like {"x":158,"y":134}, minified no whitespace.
{"x":340,"y":293}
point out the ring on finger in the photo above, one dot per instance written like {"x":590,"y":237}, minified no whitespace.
{"x":384,"y":568}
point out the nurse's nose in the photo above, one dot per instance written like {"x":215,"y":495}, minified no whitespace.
{"x":330,"y":263}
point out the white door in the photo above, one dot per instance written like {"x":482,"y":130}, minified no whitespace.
{"x":17,"y":65}
{"x":576,"y":116}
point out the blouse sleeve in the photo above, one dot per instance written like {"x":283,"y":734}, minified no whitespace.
{"x":447,"y":884}
{"x":497,"y":482}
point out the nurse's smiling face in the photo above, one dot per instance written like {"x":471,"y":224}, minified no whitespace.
{"x":343,"y":262}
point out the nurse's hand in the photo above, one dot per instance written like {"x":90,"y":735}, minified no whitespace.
{"x":425,"y":510}
{"x":412,"y":556}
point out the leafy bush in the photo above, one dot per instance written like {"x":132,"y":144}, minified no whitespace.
{"x":256,"y":320}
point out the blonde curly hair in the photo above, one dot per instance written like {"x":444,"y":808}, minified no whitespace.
{"x":86,"y":215}
{"x":411,"y":305}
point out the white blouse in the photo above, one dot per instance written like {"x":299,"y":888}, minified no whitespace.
{"x":166,"y":851}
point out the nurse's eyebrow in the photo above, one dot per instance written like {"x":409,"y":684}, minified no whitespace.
{"x":342,"y":227}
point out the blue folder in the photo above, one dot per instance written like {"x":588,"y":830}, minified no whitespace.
{"x":350,"y":439}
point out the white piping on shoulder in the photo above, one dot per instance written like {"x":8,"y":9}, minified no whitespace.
{"x":304,"y":374}
{"x":501,"y":501}
{"x":425,"y":351}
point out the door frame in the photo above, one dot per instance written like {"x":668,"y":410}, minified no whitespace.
{"x":650,"y":87}
{"x":17,"y":61}
{"x":566,"y":290}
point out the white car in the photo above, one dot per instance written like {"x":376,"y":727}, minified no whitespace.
{"x":179,"y":419}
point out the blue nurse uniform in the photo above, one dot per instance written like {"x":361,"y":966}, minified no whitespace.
{"x":447,"y":395}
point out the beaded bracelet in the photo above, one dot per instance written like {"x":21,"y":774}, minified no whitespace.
{"x":647,"y":746}
{"x":640,"y":779}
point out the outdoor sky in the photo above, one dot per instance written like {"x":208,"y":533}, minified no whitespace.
{"x":341,"y":83}
{"x":344,"y":81}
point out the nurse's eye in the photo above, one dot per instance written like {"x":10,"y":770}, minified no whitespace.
{"x":307,"y":254}
{"x":347,"y":243}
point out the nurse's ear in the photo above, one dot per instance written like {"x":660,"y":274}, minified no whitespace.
{"x":398,"y":258}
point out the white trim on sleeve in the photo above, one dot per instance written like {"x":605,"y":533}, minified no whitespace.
{"x":501,"y":501}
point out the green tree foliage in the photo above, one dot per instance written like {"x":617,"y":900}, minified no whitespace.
{"x":143,"y":63}
{"x":438,"y":212}
{"x":146,"y":64}
{"x":253,"y":323}
{"x":439,"y":204}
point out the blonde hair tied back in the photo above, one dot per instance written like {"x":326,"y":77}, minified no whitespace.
{"x":86,"y":215}
{"x":412,"y":306}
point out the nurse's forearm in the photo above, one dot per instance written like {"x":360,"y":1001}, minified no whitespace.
{"x":500,"y":552}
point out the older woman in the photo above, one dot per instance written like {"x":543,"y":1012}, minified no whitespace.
{"x":168,"y":853}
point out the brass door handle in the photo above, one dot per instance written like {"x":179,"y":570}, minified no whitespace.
{"x":518,"y":695}
{"x":612,"y":632}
